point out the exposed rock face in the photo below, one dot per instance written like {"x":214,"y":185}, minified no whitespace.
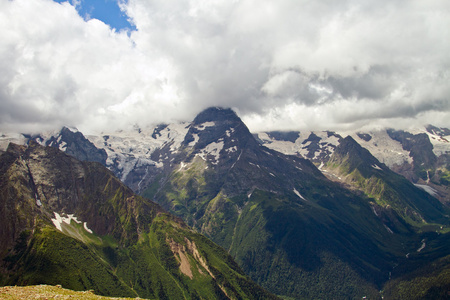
{"x":290,"y":136}
{"x":420,"y":149}
{"x":73,"y":143}
{"x":45,"y":180}
{"x":441,"y":132}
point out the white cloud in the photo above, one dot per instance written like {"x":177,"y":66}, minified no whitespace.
{"x":285,"y":64}
{"x":59,"y":69}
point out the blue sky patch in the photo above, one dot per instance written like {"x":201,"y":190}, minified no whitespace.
{"x":107,"y":11}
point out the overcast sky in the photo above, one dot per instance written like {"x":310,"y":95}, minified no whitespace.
{"x":285,"y":64}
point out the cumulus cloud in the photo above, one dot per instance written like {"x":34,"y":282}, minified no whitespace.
{"x":281,"y":65}
{"x":58,"y":69}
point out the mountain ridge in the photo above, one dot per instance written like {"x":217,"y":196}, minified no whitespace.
{"x":73,"y":223}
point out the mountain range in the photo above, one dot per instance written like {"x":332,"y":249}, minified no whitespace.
{"x":74,"y":223}
{"x":304,"y":214}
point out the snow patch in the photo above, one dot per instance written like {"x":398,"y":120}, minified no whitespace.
{"x":236,"y":160}
{"x":299,"y":195}
{"x":196,"y":138}
{"x":231,"y":149}
{"x":267,"y":152}
{"x":427,"y":189}
{"x":229,"y":132}
{"x":70,"y":218}
{"x":326,"y":145}
{"x":38,"y":201}
{"x":375,"y":166}
{"x":58,"y":220}
{"x":423,"y":246}
{"x":204,"y":125}
{"x":374,"y":211}
{"x":255,"y":165}
{"x":388,"y":229}
{"x":62,"y":146}
{"x":212,"y":149}
{"x":182,"y":166}
{"x":86,"y":228}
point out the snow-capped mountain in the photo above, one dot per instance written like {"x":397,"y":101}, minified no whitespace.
{"x":68,"y":140}
{"x":319,"y":145}
{"x":139,"y":155}
{"x":134,"y":156}
{"x":421,"y":155}
{"x":267,"y":198}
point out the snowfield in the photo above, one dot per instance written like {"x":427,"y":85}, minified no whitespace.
{"x":130,"y":149}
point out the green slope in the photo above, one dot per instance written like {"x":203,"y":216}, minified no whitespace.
{"x":331,"y":244}
{"x":73,"y":223}
{"x":431,"y":281}
{"x":390,"y":191}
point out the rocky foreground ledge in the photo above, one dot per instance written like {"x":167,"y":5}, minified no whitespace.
{"x":47,"y":292}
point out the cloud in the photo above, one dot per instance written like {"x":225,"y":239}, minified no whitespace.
{"x":58,"y":69}
{"x":285,"y":64}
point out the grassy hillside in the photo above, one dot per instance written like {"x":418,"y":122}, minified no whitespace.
{"x":73,"y":223}
{"x":311,"y":241}
{"x":390,"y":191}
{"x":47,"y":292}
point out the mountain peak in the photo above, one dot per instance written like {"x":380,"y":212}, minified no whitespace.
{"x":348,"y":145}
{"x":349,"y":153}
{"x":16,"y":149}
{"x":216,"y":124}
{"x":216,"y":114}
{"x":69,"y":128}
